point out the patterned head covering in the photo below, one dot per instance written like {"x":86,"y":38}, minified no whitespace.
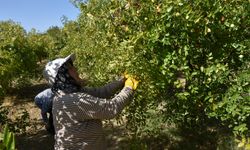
{"x":51,"y":69}
{"x":64,"y":81}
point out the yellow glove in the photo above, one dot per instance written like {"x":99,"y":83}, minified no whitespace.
{"x":136,"y":82}
{"x":129,"y":83}
{"x":126,"y":75}
{"x":132,"y":83}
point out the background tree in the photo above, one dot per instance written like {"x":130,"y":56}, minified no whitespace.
{"x":17,"y":60}
{"x":38,"y":43}
{"x":189,"y":55}
{"x":55,"y":41}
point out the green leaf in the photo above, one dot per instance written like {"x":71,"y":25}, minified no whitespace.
{"x":7,"y":135}
{"x":11,"y":143}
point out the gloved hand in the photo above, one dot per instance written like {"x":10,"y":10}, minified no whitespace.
{"x":132,"y":83}
{"x":129,"y":83}
{"x":136,"y":82}
{"x":126,"y":75}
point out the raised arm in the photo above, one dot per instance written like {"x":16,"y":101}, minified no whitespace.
{"x":98,"y":108}
{"x":106,"y":91}
{"x":83,"y":106}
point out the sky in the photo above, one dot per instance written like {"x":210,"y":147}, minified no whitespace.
{"x":37,"y":14}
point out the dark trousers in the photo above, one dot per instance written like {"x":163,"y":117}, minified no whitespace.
{"x":50,"y":125}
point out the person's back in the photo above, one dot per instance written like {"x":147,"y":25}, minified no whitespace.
{"x":80,"y":115}
{"x":72,"y":131}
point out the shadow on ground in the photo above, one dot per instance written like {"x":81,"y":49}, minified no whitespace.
{"x":194,"y":139}
{"x":39,"y":141}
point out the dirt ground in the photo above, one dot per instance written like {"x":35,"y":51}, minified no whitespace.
{"x":36,"y":137}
